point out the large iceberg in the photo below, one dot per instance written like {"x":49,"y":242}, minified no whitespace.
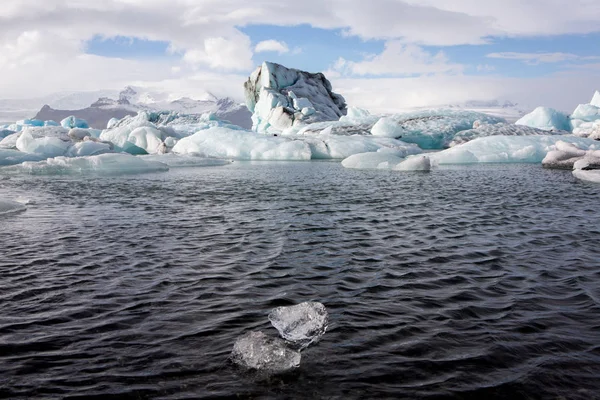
{"x":104,"y":164}
{"x":260,"y":352}
{"x":281,"y":98}
{"x":220,"y":142}
{"x":547,"y":119}
{"x":302,"y":324}
{"x":508,"y":149}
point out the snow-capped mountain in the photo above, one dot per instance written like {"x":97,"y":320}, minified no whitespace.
{"x":133,"y":99}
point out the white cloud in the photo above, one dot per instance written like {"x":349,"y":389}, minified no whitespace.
{"x":537,"y":58}
{"x":219,"y":52}
{"x":398,"y":58}
{"x":272,"y":45}
{"x":42,"y":42}
{"x":562,"y":90}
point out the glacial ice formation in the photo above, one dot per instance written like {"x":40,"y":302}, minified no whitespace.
{"x":47,"y":146}
{"x":566,"y":155}
{"x":241,"y":145}
{"x":596,"y":99}
{"x":103,"y":164}
{"x":281,"y":98}
{"x":260,"y":352}
{"x":11,"y":157}
{"x":73,"y":122}
{"x":586,"y":113}
{"x":485,"y":130}
{"x":547,"y":119}
{"x":9,"y":207}
{"x":302,"y":324}
{"x":588,"y":168}
{"x":507,"y":149}
{"x":387,"y":160}
{"x":430,"y":129}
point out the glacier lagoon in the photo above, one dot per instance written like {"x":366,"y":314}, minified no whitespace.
{"x":472,"y":281}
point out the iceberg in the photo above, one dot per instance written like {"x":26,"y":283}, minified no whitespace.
{"x":387,"y":160}
{"x":431,"y":129}
{"x":374,"y":160}
{"x":485,"y":130}
{"x":257,"y":351}
{"x":5,"y":132}
{"x":73,"y":122}
{"x":281,"y":98}
{"x":47,"y":146}
{"x":302,"y":324}
{"x":596,"y":99}
{"x":9,"y":207}
{"x":227,"y":143}
{"x":586,"y":113}
{"x":79,"y":134}
{"x":547,"y":119}
{"x":88,"y":148}
{"x":104,"y":164}
{"x":588,"y":129}
{"x":11,"y":157}
{"x":584,"y":169}
{"x":507,"y":149}
{"x":566,"y":155}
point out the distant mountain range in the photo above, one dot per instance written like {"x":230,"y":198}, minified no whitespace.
{"x":97,"y":108}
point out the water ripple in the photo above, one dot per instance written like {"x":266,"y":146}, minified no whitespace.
{"x":468,"y":282}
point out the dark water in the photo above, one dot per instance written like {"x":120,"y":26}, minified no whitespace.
{"x":468,"y":282}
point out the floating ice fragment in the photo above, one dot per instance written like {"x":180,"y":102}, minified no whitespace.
{"x":414,"y":163}
{"x":11,"y":157}
{"x":302,"y":324}
{"x":255,"y":350}
{"x":106,"y":164}
{"x":8,"y":207}
{"x":74,"y":122}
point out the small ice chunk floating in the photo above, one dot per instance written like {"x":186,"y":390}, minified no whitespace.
{"x":299,"y":326}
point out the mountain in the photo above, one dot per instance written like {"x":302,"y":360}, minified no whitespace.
{"x":15,"y":109}
{"x":133,"y":99}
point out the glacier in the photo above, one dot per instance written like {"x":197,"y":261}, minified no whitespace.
{"x":281,"y":98}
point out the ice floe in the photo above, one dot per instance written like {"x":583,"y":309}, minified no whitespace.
{"x":9,"y":207}
{"x":565,"y":155}
{"x":104,"y":164}
{"x":257,"y":351}
{"x":302,"y":324}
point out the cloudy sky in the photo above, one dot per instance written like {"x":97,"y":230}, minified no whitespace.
{"x":380,"y":54}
